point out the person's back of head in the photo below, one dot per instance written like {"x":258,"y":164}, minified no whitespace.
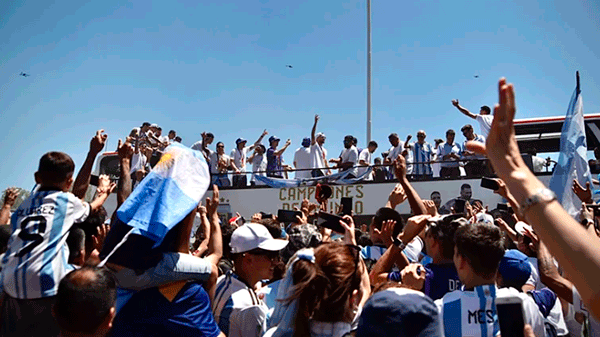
{"x":482,"y":246}
{"x":399,"y":312}
{"x":383,"y":214}
{"x":85,"y":302}
{"x":55,"y":170}
{"x":514,"y":270}
{"x":76,"y":243}
{"x":442,"y":232}
{"x":324,"y":287}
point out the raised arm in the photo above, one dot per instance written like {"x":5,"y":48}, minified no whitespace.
{"x":82,"y":181}
{"x":10,"y":196}
{"x":415,"y":202}
{"x":125,"y":151}
{"x":257,"y":142}
{"x":215,"y":242}
{"x":462,"y":109}
{"x":282,"y":150}
{"x":313,"y":140}
{"x":105,"y":188}
{"x":576,"y":251}
{"x":407,"y":142}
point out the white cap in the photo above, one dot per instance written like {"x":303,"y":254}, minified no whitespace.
{"x":154,"y":125}
{"x":485,"y":218}
{"x":521,"y":226}
{"x":251,"y":236}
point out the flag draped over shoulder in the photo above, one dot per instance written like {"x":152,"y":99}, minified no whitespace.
{"x":171,"y":191}
{"x":572,"y":161}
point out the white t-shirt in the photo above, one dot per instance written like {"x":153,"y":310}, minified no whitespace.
{"x":395,"y":151}
{"x":302,"y":160}
{"x":366,"y":156}
{"x":239,"y":157}
{"x":33,"y":268}
{"x":350,"y":155}
{"x":538,"y":164}
{"x":578,"y":306}
{"x":318,"y":157}
{"x":214,"y":163}
{"x":556,"y":316}
{"x":138,"y":161}
{"x":259,"y":164}
{"x":472,"y":313}
{"x":485,"y":123}
{"x":238,"y":310}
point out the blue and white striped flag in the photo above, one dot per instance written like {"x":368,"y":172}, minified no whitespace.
{"x":170,"y":192}
{"x":572,"y":161}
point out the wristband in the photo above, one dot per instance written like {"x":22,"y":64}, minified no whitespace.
{"x":543,"y":195}
{"x":398,"y":243}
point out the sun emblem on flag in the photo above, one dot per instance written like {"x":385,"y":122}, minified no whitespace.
{"x":166,"y":161}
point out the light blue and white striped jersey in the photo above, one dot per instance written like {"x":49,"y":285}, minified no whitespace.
{"x":423,"y":153}
{"x":36,"y":259}
{"x":412,"y":251}
{"x":237,"y":309}
{"x":473,"y":312}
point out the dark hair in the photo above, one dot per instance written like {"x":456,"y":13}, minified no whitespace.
{"x":482,"y":245}
{"x":217,"y":145}
{"x":486,"y":109}
{"x":373,"y":143}
{"x":84,"y":299}
{"x":76,"y":243}
{"x":272,"y":226}
{"x":5,"y":232}
{"x":226,"y":232}
{"x":386,"y":213}
{"x":354,"y":140}
{"x":392,"y":135}
{"x":323,"y":288}
{"x":443,"y":232}
{"x":434,"y":192}
{"x":264,"y":149}
{"x":210,"y":135}
{"x":466,"y":127}
{"x":178,"y":139}
{"x":172,"y":131}
{"x":159,"y":128}
{"x":146,"y":124}
{"x":55,"y":168}
{"x":463,"y":186}
{"x":450,"y":132}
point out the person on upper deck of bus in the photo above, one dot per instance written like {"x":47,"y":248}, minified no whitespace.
{"x":484,"y":118}
{"x":423,"y":154}
{"x":348,"y":158}
{"x":274,"y":165}
{"x":476,"y":166}
{"x":239,"y":156}
{"x":302,"y":160}
{"x":220,"y":164}
{"x":449,"y":153}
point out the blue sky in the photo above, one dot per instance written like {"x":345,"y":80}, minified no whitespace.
{"x":220,"y":67}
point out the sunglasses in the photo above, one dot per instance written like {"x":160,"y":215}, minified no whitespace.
{"x":271,"y":255}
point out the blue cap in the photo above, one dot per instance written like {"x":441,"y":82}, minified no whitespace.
{"x":240,"y":140}
{"x":306,"y":142}
{"x":514,"y":268}
{"x":273,"y":138}
{"x":399,"y":312}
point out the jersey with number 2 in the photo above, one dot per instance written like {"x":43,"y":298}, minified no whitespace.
{"x":37,"y":255}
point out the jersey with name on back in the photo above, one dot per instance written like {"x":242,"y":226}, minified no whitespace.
{"x":37,"y":255}
{"x":473,"y":312}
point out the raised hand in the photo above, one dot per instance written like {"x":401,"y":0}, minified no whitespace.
{"x":348,"y":224}
{"x":125,"y":150}
{"x":430,"y":207}
{"x":455,"y":102}
{"x":400,"y":167}
{"x":265,"y":133}
{"x":397,"y":196}
{"x":316,"y":118}
{"x":413,"y":276}
{"x":415,"y":225}
{"x":105,"y":185}
{"x":386,"y":232}
{"x":288,"y":142}
{"x":584,"y":194}
{"x":98,"y":141}
{"x":213,"y":203}
{"x":10,"y":196}
{"x":100,"y":237}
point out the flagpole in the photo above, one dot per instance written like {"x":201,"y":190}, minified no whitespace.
{"x":578,"y":87}
{"x":368,"y":71}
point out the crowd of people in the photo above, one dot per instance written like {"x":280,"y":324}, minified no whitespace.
{"x":71,"y":269}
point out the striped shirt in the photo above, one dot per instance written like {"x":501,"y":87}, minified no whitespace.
{"x":423,"y":153}
{"x":36,"y":259}
{"x":237,"y":309}
{"x":473,"y":312}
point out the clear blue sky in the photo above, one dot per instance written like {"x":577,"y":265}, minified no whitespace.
{"x":220,"y":67}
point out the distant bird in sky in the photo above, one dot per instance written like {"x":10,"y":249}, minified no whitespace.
{"x":24,"y":74}
{"x":476,"y":76}
{"x":288,"y":66}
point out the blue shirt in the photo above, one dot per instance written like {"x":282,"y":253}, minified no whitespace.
{"x":440,"y":279}
{"x":446,"y":149}
{"x":273,"y":162}
{"x":149,"y":313}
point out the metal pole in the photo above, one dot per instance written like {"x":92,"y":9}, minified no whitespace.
{"x":368,"y":71}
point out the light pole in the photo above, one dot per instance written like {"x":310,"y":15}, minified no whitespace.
{"x":368,"y":71}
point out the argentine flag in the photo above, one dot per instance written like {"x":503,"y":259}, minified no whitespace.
{"x":572,"y":161}
{"x":170,"y":192}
